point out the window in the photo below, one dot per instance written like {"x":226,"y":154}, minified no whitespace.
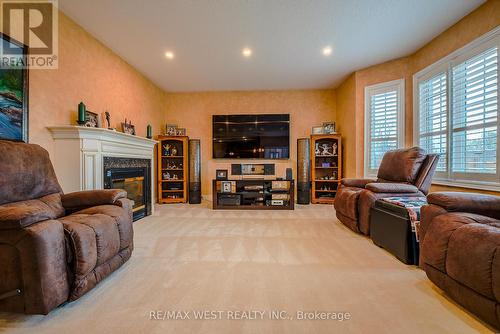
{"x":456,"y":104}
{"x":384,"y":122}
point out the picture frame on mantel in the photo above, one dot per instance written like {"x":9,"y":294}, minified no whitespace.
{"x":91,"y":119}
{"x":14,"y":93}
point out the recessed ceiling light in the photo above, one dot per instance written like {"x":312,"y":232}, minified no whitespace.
{"x":247,"y":52}
{"x":327,"y":50}
{"x":169,"y":55}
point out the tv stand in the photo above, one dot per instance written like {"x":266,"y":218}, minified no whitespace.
{"x":253,"y":194}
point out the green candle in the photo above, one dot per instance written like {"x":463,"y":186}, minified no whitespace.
{"x":149,"y":132}
{"x":81,"y":112}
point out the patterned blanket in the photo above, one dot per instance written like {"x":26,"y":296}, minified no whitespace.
{"x":412,"y":205}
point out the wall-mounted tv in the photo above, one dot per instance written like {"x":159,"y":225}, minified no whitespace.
{"x":264,"y":136}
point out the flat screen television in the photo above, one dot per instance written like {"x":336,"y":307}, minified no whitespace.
{"x":264,"y":136}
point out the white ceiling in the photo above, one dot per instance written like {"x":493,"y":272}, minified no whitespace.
{"x":286,"y":36}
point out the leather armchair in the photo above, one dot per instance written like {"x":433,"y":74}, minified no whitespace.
{"x":402,"y":173}
{"x":54,"y":247}
{"x":459,"y":243}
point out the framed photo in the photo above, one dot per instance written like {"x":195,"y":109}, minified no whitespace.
{"x":91,"y":119}
{"x":329,"y":127}
{"x":171,"y":130}
{"x":128,"y":128}
{"x":221,"y":174}
{"x":226,"y":186}
{"x":14,"y":91}
{"x":181,"y":132}
{"x":317,"y":130}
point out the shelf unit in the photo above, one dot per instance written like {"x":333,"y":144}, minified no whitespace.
{"x":326,"y":170}
{"x":172,"y":169}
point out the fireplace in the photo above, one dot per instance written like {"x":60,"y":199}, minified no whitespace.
{"x":134,"y":176}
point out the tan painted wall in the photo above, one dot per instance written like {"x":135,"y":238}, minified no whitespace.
{"x":92,"y":73}
{"x":194,"y":111}
{"x":346,"y":123}
{"x":477,"y":23}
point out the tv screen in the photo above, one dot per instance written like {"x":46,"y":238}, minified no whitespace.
{"x":265,"y":136}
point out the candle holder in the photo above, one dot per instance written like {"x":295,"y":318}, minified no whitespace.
{"x":82,"y":113}
{"x":149,"y":132}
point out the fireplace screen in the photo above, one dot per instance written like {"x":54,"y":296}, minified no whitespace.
{"x":133,"y":176}
{"x":134,"y":186}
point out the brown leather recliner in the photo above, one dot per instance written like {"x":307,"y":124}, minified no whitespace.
{"x":54,"y":247}
{"x":403,"y":173}
{"x":460,"y":249}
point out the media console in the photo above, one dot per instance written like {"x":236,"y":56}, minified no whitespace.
{"x":253,"y":194}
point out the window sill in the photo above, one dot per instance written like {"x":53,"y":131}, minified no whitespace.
{"x":489,"y":186}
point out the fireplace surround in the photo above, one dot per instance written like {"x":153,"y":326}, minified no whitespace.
{"x":83,"y":158}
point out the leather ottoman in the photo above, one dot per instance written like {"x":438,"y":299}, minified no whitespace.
{"x":391,"y":227}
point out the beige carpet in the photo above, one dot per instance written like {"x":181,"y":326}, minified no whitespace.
{"x":190,"y":258}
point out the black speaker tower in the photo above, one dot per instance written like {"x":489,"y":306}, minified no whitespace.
{"x":194,"y":171}
{"x":303,"y":171}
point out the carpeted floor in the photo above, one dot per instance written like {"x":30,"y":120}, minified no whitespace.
{"x":238,"y":264}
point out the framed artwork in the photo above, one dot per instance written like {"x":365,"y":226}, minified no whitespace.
{"x":171,"y":130}
{"x":181,"y":132}
{"x":14,"y":92}
{"x":128,"y":128}
{"x":329,"y":127}
{"x":91,"y":119}
{"x":317,"y":130}
{"x":221,"y":174}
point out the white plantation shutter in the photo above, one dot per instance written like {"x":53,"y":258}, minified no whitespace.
{"x":475,"y":114}
{"x":456,"y":101}
{"x":384,"y":126}
{"x":433,"y":117}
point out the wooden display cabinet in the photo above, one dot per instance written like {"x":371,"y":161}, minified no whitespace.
{"x":173,"y":169}
{"x":326,"y":167}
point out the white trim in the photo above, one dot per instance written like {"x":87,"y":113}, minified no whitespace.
{"x":477,"y":46}
{"x":399,"y":86}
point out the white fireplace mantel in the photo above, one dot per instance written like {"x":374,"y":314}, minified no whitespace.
{"x":79,"y":152}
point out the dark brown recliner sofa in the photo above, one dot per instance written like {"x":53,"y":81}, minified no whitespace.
{"x":460,"y":250}
{"x":54,"y":247}
{"x":403,"y":173}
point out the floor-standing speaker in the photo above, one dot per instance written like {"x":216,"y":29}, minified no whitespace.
{"x":303,"y":171}
{"x":194,"y":171}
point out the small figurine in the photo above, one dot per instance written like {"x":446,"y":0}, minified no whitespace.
{"x":334,"y":149}
{"x":108,"y":119}
{"x":167,"y":149}
{"x":174,"y":151}
{"x":325,"y":150}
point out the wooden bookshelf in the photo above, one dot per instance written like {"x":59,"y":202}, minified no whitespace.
{"x":172,"y":169}
{"x":326,"y":167}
